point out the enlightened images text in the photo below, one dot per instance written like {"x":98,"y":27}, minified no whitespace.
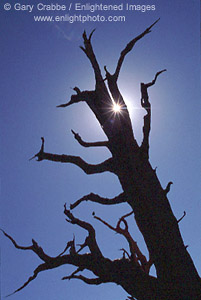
{"x":120,"y":7}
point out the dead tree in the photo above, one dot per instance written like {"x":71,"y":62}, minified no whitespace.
{"x":177,"y":277}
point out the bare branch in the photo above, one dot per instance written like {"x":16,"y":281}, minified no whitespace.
{"x":167,"y":189}
{"x":41,"y":150}
{"x":73,"y":274}
{"x":76,"y":160}
{"x":101,"y":102}
{"x":39,"y":269}
{"x":79,"y":222}
{"x":34,"y":247}
{"x":129,"y":47}
{"x":77,"y":90}
{"x":105,"y":166}
{"x":91,"y":241}
{"x":14,"y":242}
{"x":82,"y":261}
{"x":74,"y":99}
{"x":90,"y":36}
{"x":121,"y":198}
{"x":136,"y":254}
{"x":88,"y":50}
{"x":144,"y":94}
{"x":112,"y":84}
{"x":154,"y":80}
{"x":80,"y":97}
{"x":94,"y":281}
{"x":105,"y":269}
{"x":86,"y":144}
{"x":147,"y":118}
{"x":125,"y":252}
{"x":181,"y":217}
{"x":105,"y":223}
{"x":117,"y":229}
{"x":85,"y":244}
{"x":122,"y":219}
{"x":71,"y":245}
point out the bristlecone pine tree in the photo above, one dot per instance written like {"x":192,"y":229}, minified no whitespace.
{"x":177,"y":277}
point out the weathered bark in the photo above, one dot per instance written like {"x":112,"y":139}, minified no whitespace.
{"x":177,"y":277}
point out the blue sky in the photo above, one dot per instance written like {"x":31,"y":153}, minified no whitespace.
{"x":40,"y":63}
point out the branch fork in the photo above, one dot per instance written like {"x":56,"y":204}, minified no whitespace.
{"x":136,"y":255}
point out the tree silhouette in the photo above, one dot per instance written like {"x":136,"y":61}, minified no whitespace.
{"x":177,"y":277}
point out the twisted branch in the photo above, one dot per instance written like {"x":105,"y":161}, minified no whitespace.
{"x":129,"y":47}
{"x":121,"y":198}
{"x":49,"y":262}
{"x":88,"y":50}
{"x":81,"y":261}
{"x":136,"y":254}
{"x":105,"y":269}
{"x":147,"y":118}
{"x":91,"y":239}
{"x":105,"y":166}
{"x":34,"y":247}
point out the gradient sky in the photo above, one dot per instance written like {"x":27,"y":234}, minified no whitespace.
{"x":40,"y":63}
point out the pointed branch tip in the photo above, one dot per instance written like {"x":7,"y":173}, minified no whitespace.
{"x":184,"y":214}
{"x":167,"y":189}
{"x":90,"y":36}
{"x":39,"y":154}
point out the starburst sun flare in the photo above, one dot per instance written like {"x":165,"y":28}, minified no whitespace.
{"x":116,"y":108}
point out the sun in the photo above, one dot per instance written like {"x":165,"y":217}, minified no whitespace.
{"x":116,"y":108}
